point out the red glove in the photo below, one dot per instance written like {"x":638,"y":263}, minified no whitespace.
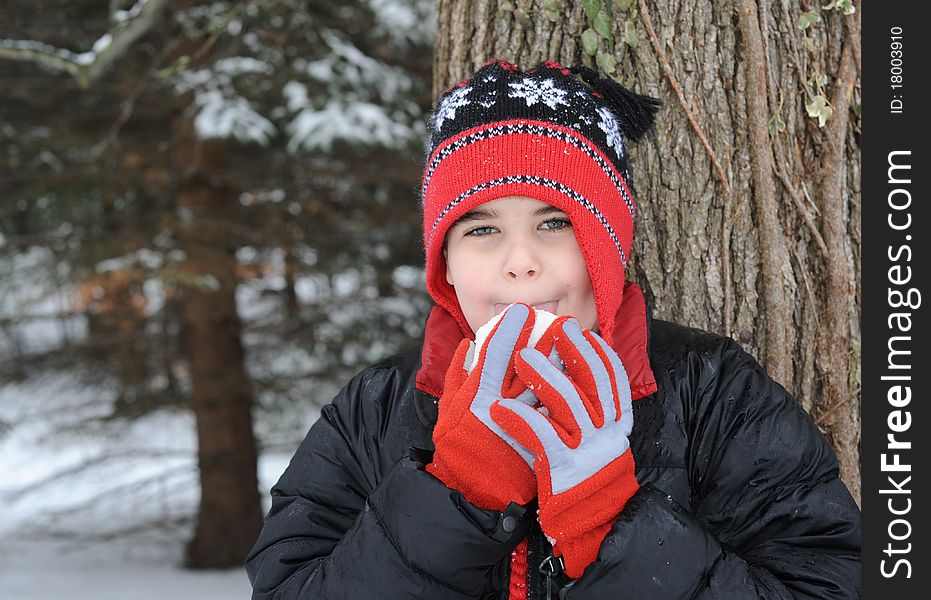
{"x":584,"y":467}
{"x":473,"y":454}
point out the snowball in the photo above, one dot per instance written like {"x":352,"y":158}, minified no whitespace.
{"x":543,"y":319}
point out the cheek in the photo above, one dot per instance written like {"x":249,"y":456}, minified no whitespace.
{"x":456,"y":273}
{"x":578,"y":270}
{"x":476,"y":289}
{"x":474,"y":294}
{"x":471,"y":286}
{"x":582,"y":292}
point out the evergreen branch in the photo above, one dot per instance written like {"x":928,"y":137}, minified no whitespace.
{"x":88,"y":67}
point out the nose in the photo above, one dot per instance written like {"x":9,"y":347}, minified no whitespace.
{"x":522,"y":260}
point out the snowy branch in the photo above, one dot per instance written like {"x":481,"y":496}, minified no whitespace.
{"x":87,"y":67}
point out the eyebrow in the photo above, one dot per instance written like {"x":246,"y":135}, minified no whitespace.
{"x":480,"y":214}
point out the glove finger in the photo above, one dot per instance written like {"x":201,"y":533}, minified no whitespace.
{"x":453,"y":404}
{"x":623,"y":400}
{"x":527,"y":426}
{"x":587,"y":370}
{"x":527,"y":397}
{"x":556,"y":392}
{"x":496,"y":357}
{"x":480,"y":407}
{"x":522,"y":450}
{"x":553,"y":332}
{"x":456,"y":374}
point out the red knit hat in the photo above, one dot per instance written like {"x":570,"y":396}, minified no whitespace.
{"x":545,"y":135}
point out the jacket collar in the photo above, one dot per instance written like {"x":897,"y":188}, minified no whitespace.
{"x":631,"y":342}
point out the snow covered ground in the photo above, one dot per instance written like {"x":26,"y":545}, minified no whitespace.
{"x":46,"y":570}
{"x":114,"y":528}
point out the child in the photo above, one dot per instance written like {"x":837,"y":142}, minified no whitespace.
{"x":611,"y":456}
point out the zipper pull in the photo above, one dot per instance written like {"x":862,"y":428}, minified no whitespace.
{"x":550,"y":568}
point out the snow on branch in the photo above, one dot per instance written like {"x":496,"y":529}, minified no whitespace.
{"x":89,"y":66}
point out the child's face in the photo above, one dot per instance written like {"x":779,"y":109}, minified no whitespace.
{"x":518,"y":249}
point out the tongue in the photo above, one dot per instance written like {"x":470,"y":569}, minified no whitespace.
{"x":547,"y":306}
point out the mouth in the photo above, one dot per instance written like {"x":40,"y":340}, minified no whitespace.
{"x":549,"y":306}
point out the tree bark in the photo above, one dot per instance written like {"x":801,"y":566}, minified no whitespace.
{"x":748,"y":214}
{"x":230,"y":513}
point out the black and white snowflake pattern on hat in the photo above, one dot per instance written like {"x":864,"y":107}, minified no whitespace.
{"x":609,"y":125}
{"x":533,"y":91}
{"x":456,"y":99}
{"x":600,"y":109}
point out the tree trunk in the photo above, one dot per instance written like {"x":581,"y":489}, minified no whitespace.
{"x":230,"y":514}
{"x":749,"y":210}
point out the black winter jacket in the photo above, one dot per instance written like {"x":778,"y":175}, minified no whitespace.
{"x":739,"y":498}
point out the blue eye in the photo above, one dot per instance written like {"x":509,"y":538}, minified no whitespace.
{"x":556,"y":224}
{"x":480,"y":231}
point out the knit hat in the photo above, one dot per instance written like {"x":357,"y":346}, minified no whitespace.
{"x":542,"y":134}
